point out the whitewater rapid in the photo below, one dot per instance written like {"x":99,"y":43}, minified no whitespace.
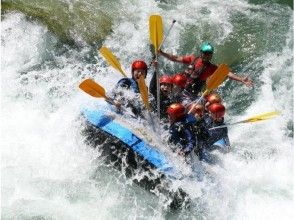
{"x":49,"y":172}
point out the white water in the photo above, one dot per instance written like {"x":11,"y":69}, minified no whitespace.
{"x":48,"y":172}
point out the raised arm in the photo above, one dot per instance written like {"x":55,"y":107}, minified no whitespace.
{"x":245,"y":80}
{"x":171,"y":57}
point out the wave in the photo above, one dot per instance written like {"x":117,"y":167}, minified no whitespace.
{"x":73,"y":22}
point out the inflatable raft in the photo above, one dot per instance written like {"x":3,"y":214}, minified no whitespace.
{"x":130,"y":151}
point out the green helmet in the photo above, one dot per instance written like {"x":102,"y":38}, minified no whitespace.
{"x":206,"y":47}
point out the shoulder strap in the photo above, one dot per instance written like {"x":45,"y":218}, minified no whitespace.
{"x":194,"y":61}
{"x":201,"y":70}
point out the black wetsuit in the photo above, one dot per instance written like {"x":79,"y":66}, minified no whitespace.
{"x":181,"y":134}
{"x":165,"y":101}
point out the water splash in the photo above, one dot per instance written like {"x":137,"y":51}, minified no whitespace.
{"x":48,"y":171}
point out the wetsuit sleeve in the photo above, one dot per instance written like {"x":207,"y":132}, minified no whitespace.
{"x":204,"y":133}
{"x":174,"y":135}
{"x":188,"y":59}
{"x":190,"y":141}
{"x":123,"y":83}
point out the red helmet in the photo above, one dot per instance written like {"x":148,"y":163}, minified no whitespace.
{"x":166,"y":79}
{"x":213,"y":98}
{"x":196,"y":109}
{"x":139,"y":64}
{"x":180,"y":80}
{"x":176,"y":111}
{"x":217,"y":109}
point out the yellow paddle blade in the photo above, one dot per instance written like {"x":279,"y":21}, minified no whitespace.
{"x":111,"y":59}
{"x":92,"y":88}
{"x":155,"y":31}
{"x":144,"y":92}
{"x":217,"y":77}
{"x":261,"y":117}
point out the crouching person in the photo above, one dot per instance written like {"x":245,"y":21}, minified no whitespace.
{"x":215,"y":119}
{"x":166,"y":85}
{"x":218,"y":138}
{"x":126,"y":92}
{"x":181,"y":133}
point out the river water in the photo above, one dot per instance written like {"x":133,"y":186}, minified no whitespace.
{"x":49,"y":172}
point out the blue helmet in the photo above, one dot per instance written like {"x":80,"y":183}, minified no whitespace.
{"x":206,"y":47}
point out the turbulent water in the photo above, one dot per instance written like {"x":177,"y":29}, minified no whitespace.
{"x":49,"y":172}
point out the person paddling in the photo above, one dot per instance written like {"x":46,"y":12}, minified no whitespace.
{"x":166,"y":85}
{"x":202,"y":68}
{"x":181,"y":133}
{"x":138,"y":68}
{"x":180,"y":93}
{"x":215,"y":117}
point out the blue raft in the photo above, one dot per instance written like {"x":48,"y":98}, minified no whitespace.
{"x":105,"y":129}
{"x":100,"y":118}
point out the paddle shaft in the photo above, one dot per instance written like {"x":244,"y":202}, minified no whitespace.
{"x":152,"y":121}
{"x":174,"y":21}
{"x":202,"y":96}
{"x":110,"y":101}
{"x":227,"y":125}
{"x":158,"y":89}
{"x":198,"y":101}
{"x":157,"y":73}
{"x":260,"y":117}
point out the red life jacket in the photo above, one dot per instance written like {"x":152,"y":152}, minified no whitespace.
{"x":205,"y":69}
{"x":202,"y":69}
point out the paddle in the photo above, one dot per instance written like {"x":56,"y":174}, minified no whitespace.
{"x":144,"y":92}
{"x":260,"y":117}
{"x":155,"y":31}
{"x":217,"y":78}
{"x":152,"y":49}
{"x":214,"y":81}
{"x":94,"y":90}
{"x":111,"y":59}
{"x":144,"y":95}
{"x":155,"y":35}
